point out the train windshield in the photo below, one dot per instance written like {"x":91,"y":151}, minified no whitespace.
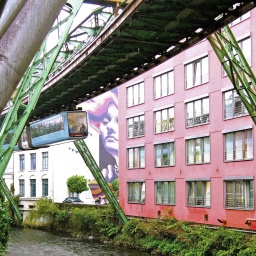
{"x":77,"y":124}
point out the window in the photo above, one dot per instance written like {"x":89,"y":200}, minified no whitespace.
{"x":136,"y":192}
{"x":238,"y":145}
{"x":197,"y":112}
{"x":136,"y":126}
{"x":239,"y":194}
{"x":136,"y":157}
{"x":164,"y":120}
{"x":45,"y":160}
{"x":245,"y":46}
{"x":196,"y":72}
{"x":135,"y":94}
{"x":44,"y":187}
{"x":233,"y":105}
{"x":22,"y":162}
{"x":198,"y":150}
{"x":199,"y":193}
{"x":32,"y":187}
{"x":33,"y":161}
{"x":164,"y":154}
{"x":22,"y":187}
{"x":164,"y":84}
{"x":165,"y":192}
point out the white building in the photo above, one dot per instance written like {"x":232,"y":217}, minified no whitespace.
{"x":44,"y":172}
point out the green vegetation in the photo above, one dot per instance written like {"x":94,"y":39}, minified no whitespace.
{"x":162,"y":236}
{"x":5,"y":222}
{"x":77,"y":184}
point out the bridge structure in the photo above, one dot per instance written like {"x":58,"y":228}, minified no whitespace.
{"x":88,"y":60}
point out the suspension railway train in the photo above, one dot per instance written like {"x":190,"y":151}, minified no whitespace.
{"x":67,"y":125}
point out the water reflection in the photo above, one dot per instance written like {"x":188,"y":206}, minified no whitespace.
{"x":31,"y":242}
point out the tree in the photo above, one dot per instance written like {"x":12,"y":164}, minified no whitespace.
{"x":115,"y":187}
{"x":77,"y":184}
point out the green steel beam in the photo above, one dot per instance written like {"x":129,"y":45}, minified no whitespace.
{"x":9,"y":197}
{"x":236,"y":66}
{"x":31,"y":86}
{"x":95,"y":170}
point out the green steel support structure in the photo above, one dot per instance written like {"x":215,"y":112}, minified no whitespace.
{"x":95,"y":170}
{"x":236,"y":66}
{"x":31,"y":87}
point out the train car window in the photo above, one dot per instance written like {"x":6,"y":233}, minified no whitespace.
{"x":49,"y":125}
{"x":77,"y":124}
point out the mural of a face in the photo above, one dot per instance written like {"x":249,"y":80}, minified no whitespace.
{"x":109,"y":130}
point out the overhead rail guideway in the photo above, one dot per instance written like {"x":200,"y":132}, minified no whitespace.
{"x":143,"y":35}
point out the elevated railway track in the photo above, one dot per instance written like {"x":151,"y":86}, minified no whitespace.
{"x":145,"y":34}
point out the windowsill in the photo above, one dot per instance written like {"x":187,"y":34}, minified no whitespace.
{"x":156,"y":133}
{"x":198,"y":163}
{"x":136,"y":203}
{"x":164,"y":96}
{"x":192,"y":126}
{"x":172,"y":204}
{"x":199,"y":206}
{"x":135,"y":105}
{"x":196,"y":85}
{"x":134,"y":168}
{"x":238,"y":160}
{"x":240,"y":209}
{"x":234,"y":117}
{"x":164,"y":166}
{"x":129,"y":138}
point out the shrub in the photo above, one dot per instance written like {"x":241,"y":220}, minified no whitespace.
{"x":5,"y":222}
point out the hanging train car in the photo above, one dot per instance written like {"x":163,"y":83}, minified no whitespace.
{"x":67,"y":125}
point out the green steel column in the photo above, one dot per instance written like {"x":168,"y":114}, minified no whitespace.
{"x":9,"y":197}
{"x":95,"y":170}
{"x":236,"y":66}
{"x":31,"y":87}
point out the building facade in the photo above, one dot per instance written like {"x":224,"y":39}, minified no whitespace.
{"x":44,"y":173}
{"x":187,"y":144}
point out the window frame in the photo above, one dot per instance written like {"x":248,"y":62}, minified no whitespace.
{"x":33,"y":161}
{"x":204,"y":78}
{"x":202,"y":119}
{"x":202,"y":149}
{"x":45,"y":160}
{"x":246,"y":201}
{"x":45,"y":187}
{"x":22,"y":162}
{"x":234,"y":153}
{"x":171,"y":192}
{"x":243,"y":111}
{"x":33,"y":187}
{"x":170,"y":160}
{"x":136,"y":156}
{"x":22,"y":187}
{"x":159,"y":86}
{"x":193,"y":188}
{"x":166,"y":125}
{"x":131,"y":91}
{"x":132,"y":197}
{"x":138,"y":128}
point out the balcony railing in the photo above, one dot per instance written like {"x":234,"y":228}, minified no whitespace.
{"x":238,"y":155}
{"x":204,"y":119}
{"x":198,"y":201}
{"x":240,"y":203}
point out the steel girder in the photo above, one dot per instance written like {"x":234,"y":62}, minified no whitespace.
{"x":31,"y":86}
{"x":236,"y":66}
{"x":96,"y":172}
{"x":18,"y":45}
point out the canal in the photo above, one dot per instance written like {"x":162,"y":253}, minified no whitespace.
{"x":31,"y":242}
